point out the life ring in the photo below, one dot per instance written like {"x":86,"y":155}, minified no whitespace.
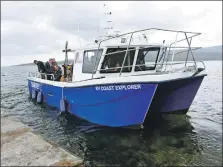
{"x":33,"y":94}
{"x":39,"y":97}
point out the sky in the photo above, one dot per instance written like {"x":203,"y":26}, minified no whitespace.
{"x":38,"y":30}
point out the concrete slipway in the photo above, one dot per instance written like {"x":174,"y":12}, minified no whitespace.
{"x":21,"y":147}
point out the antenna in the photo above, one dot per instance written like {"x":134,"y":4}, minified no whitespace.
{"x":108,"y":27}
{"x":144,"y":36}
{"x":78,"y":30}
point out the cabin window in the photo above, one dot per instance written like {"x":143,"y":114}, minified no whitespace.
{"x":113,"y":61}
{"x":147,"y":59}
{"x":90,"y":57}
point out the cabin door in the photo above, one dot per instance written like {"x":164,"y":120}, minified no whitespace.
{"x":77,"y":66}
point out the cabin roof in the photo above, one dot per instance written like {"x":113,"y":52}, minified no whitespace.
{"x":152,"y":45}
{"x":121,"y":46}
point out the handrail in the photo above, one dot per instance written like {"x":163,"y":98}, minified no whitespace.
{"x":148,"y":46}
{"x":203,"y":64}
{"x":38,"y":74}
{"x":188,"y":52}
{"x":174,"y":49}
{"x":193,"y":48}
{"x":189,"y":43}
{"x":184,"y":51}
{"x":176,"y":41}
{"x":137,"y":65}
{"x":126,"y":53}
{"x":196,"y":33}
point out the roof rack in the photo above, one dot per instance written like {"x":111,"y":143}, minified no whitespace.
{"x":157,"y":29}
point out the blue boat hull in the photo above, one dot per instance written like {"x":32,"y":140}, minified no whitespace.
{"x":121,"y":104}
{"x":175,"y":96}
{"x":108,"y":105}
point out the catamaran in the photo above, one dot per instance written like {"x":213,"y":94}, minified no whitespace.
{"x":117,"y":84}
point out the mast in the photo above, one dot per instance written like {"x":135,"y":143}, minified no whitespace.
{"x":66,"y":55}
{"x":108,"y":28}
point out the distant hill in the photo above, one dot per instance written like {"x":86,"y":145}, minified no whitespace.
{"x":31,"y":64}
{"x":217,"y":49}
{"x":205,"y":54}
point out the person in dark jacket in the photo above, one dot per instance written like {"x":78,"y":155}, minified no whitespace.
{"x":41,"y":67}
{"x":48,"y":70}
{"x":47,"y":66}
{"x":57,"y":72}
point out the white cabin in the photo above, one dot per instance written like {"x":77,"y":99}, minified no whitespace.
{"x":141,"y":59}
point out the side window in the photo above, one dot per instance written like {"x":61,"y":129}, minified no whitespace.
{"x":90,"y":57}
{"x":147,"y":59}
{"x":113,"y":61}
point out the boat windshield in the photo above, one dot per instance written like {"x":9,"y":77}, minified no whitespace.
{"x":147,"y":59}
{"x":113,"y":61}
{"x":91,"y":60}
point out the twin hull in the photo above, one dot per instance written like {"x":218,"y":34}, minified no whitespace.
{"x":118,"y":105}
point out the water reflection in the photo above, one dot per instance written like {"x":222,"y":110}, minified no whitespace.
{"x":171,"y":141}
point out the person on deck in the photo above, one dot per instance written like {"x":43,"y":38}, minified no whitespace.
{"x":41,"y":67}
{"x":57,"y":72}
{"x":47,"y":66}
{"x":53,"y":62}
{"x":48,"y":69}
{"x":116,"y":69}
{"x":64,"y":73}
